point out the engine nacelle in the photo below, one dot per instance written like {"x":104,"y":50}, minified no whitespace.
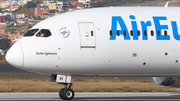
{"x":167,"y":81}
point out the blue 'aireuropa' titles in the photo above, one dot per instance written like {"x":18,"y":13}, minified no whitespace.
{"x":144,"y":25}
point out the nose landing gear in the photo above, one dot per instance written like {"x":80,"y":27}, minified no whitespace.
{"x":66,"y":93}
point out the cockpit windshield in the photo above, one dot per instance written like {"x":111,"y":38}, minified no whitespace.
{"x":44,"y":33}
{"x":30,"y":32}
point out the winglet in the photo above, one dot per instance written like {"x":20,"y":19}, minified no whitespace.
{"x":166,"y":4}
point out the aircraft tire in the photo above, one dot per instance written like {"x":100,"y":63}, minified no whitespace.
{"x":61,"y":93}
{"x":68,"y":94}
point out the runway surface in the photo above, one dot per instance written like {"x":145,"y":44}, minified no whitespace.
{"x":93,"y":96}
{"x":8,"y":71}
{"x":7,"y":68}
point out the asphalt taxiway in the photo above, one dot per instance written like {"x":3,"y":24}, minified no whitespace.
{"x":92,"y":96}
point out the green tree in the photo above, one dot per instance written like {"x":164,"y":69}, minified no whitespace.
{"x":29,"y":27}
{"x":30,"y":5}
{"x":52,"y":11}
{"x":37,"y":2}
{"x":20,"y":7}
{"x":1,"y":57}
{"x":1,"y":10}
{"x":34,"y":18}
{"x":5,"y":44}
{"x":39,"y":18}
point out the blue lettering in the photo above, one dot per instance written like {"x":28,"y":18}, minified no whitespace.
{"x":134,"y":27}
{"x":159,"y":27}
{"x":118,"y":19}
{"x":144,"y":28}
{"x":175,"y":30}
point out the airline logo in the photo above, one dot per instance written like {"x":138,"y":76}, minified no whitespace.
{"x":144,"y":25}
{"x":64,"y":32}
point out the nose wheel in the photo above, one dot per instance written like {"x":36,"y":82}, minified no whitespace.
{"x":66,"y":93}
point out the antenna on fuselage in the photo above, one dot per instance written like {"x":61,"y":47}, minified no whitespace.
{"x":166,"y":4}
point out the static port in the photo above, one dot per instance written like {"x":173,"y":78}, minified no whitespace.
{"x":144,"y":63}
{"x":166,"y":53}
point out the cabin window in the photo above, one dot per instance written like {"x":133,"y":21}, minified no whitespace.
{"x":125,"y":33}
{"x":111,"y":33}
{"x":145,"y":33}
{"x":92,"y":34}
{"x":132,"y":33}
{"x":152,"y":33}
{"x":118,"y":33}
{"x":44,"y":33}
{"x":31,"y":32}
{"x":138,"y":33}
{"x":159,"y":33}
{"x":165,"y":33}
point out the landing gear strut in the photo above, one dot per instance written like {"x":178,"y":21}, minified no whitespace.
{"x":66,"y":93}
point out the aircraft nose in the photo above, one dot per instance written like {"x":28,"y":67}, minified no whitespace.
{"x":14,"y":55}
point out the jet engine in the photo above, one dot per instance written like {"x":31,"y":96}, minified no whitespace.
{"x":167,"y":81}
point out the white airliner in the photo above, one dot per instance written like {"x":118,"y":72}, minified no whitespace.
{"x":103,"y":42}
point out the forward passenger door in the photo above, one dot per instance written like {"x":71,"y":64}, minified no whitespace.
{"x":87,"y":35}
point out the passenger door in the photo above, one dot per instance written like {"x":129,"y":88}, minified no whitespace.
{"x":87,"y":35}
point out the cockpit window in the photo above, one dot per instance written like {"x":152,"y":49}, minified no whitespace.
{"x":31,"y":32}
{"x":44,"y":33}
